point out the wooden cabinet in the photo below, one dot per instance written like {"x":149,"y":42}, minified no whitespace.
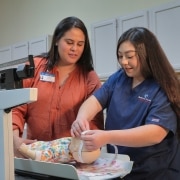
{"x":5,"y":54}
{"x":166,"y":26}
{"x":104,"y":40}
{"x":104,"y":47}
{"x":162,"y":20}
{"x":138,"y":19}
{"x":40,"y":45}
{"x":19,"y":51}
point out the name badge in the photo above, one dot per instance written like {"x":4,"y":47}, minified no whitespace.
{"x":44,"y":76}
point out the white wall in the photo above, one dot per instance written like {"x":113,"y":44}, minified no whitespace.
{"x":21,"y":20}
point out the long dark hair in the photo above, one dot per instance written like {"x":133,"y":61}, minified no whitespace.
{"x":85,"y":61}
{"x":154,"y":64}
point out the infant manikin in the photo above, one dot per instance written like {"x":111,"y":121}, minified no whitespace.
{"x":62,"y":150}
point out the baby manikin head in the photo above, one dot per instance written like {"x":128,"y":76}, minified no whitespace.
{"x":80,"y":153}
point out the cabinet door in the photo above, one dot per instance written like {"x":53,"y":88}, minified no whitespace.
{"x":166,"y":26}
{"x":139,"y":19}
{"x":19,"y":51}
{"x":5,"y":54}
{"x":39,"y":45}
{"x":104,"y":41}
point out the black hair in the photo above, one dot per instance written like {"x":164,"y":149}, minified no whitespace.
{"x":52,"y":57}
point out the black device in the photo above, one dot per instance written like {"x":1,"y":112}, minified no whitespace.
{"x":12,"y":78}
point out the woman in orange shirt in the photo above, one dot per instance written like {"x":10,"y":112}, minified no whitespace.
{"x":65,"y":77}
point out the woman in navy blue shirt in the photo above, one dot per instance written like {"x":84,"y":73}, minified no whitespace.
{"x":142,"y":100}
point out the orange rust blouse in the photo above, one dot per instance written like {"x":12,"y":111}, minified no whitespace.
{"x":51,"y":116}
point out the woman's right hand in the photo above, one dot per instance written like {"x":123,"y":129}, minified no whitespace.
{"x":86,"y":112}
{"x":78,"y":127}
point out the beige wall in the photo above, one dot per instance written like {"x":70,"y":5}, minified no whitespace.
{"x":22,"y":20}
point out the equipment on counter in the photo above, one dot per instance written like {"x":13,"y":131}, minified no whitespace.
{"x":12,"y":78}
{"x":8,"y":99}
{"x":12,"y":94}
{"x":106,"y":167}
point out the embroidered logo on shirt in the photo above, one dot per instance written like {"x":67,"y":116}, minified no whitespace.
{"x":144,"y":98}
{"x":155,"y":120}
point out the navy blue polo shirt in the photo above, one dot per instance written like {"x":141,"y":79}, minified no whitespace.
{"x":127,"y":108}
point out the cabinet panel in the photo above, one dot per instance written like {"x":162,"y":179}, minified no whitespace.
{"x":39,"y":45}
{"x":5,"y":54}
{"x":166,"y":26}
{"x":104,"y":41}
{"x":139,"y":19}
{"x":19,"y":51}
